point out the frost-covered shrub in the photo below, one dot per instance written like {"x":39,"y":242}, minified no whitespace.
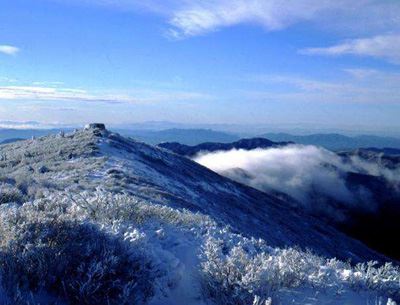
{"x":224,"y":276}
{"x":237,"y":276}
{"x":105,"y":207}
{"x":75,"y":261}
{"x":234,"y":274}
{"x":104,"y":248}
{"x":385,"y":278}
{"x":10,"y":194}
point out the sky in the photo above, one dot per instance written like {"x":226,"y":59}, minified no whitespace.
{"x":312,"y":62}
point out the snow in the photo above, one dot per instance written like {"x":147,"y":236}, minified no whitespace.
{"x":208,"y":240}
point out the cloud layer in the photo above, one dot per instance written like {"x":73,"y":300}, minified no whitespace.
{"x":355,"y":85}
{"x":196,"y":17}
{"x":383,"y":46}
{"x":57,"y":93}
{"x":8,"y":50}
{"x":191,"y":18}
{"x":292,"y":170}
{"x":368,"y":18}
{"x":311,"y":175}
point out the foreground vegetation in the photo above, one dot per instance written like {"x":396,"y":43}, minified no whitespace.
{"x":102,"y":248}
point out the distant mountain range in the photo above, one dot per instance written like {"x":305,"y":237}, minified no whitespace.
{"x":7,"y":135}
{"x":335,"y":141}
{"x":195,"y":136}
{"x":183,"y":136}
{"x":11,"y":140}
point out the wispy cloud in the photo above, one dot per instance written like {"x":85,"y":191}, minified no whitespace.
{"x":42,"y":93}
{"x":360,"y":73}
{"x":29,"y":125}
{"x":197,"y":17}
{"x":38,"y":93}
{"x":7,"y":79}
{"x":360,"y":86}
{"x":9,"y":50}
{"x":48,"y":83}
{"x":383,"y":46}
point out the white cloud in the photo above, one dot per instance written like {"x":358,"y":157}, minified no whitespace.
{"x":7,"y":79}
{"x":70,"y":94}
{"x":294,"y":170}
{"x":8,"y":50}
{"x":359,"y":86}
{"x":197,"y":17}
{"x":19,"y":124}
{"x":361,"y":73}
{"x":48,"y":83}
{"x":302,"y":171}
{"x":42,"y":93}
{"x":382,"y":46}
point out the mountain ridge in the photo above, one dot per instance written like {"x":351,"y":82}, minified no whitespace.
{"x":94,"y":218}
{"x":154,"y":173}
{"x":336,"y":141}
{"x":247,"y":144}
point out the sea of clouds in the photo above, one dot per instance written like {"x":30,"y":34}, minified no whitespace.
{"x":314,"y":176}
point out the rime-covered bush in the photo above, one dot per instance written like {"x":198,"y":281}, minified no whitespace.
{"x":241,"y":276}
{"x":105,"y":207}
{"x":384,"y":278}
{"x":118,"y":233}
{"x":104,"y":248}
{"x":238,"y":275}
{"x":10,"y":194}
{"x":74,"y":261}
{"x":52,"y":163}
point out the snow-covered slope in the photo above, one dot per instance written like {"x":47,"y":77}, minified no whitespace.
{"x":198,"y":237}
{"x":92,"y":158}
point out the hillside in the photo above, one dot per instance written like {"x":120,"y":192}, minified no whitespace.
{"x":147,"y":218}
{"x":357,"y":191}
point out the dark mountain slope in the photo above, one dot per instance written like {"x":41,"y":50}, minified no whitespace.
{"x":246,"y":144}
{"x":369,"y":208}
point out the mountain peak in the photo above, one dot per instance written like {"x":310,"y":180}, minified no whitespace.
{"x":99,"y":126}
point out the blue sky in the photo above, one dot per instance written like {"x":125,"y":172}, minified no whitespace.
{"x":319,"y":62}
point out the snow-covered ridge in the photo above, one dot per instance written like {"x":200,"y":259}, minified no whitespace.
{"x":184,"y":234}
